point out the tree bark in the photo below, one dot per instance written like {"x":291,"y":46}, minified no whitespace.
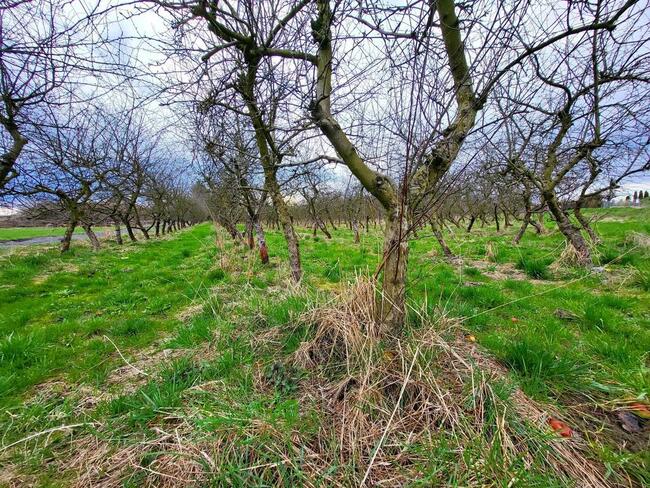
{"x":9,"y":158}
{"x":392,"y":303}
{"x":355,"y":228}
{"x":595,"y":238}
{"x":92,"y":237}
{"x":118,"y":233}
{"x":441,"y":240}
{"x":570,"y":232}
{"x":67,"y":237}
{"x":129,"y":230}
{"x":522,"y":229}
{"x":261,"y":241}
{"x":471,"y":224}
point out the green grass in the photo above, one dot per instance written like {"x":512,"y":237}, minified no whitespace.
{"x":232,"y":326}
{"x":15,"y":233}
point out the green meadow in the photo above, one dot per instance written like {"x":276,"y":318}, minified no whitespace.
{"x":19,"y":233}
{"x":173,"y":359}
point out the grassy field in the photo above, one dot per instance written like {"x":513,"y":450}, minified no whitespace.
{"x":166,"y":363}
{"x":16,"y":233}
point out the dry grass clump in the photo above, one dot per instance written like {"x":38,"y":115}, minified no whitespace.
{"x":568,"y":257}
{"x":638,"y":239}
{"x":382,"y":395}
{"x":167,"y":461}
{"x":491,"y":251}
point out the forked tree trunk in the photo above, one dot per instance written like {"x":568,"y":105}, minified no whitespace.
{"x":92,"y":237}
{"x":570,"y":232}
{"x":67,"y":237}
{"x":392,"y":303}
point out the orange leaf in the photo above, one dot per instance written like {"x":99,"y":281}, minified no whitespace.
{"x":640,"y":410}
{"x":470,"y":338}
{"x":560,"y":427}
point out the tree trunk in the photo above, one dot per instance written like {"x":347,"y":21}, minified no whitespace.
{"x":392,"y":302}
{"x":355,"y":228}
{"x":506,"y":218}
{"x":261,"y":241}
{"x":129,"y":230}
{"x":157,"y":228}
{"x":570,"y":232}
{"x":92,"y":237}
{"x":249,"y":235}
{"x":496,"y":217}
{"x":441,"y":240}
{"x":9,"y":158}
{"x":118,"y":233}
{"x":323,"y":227}
{"x":586,"y":225}
{"x":471,"y":224}
{"x":540,"y":227}
{"x":522,"y":229}
{"x":67,"y":237}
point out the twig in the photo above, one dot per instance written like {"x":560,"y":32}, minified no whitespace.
{"x":123,"y":358}
{"x":392,"y":416}
{"x":48,"y":431}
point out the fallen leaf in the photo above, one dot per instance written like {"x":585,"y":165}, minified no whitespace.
{"x":470,"y":338}
{"x":640,"y":410}
{"x":629,"y":422}
{"x":560,"y":427}
{"x":514,"y":319}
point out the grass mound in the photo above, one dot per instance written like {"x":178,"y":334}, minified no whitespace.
{"x":387,"y":404}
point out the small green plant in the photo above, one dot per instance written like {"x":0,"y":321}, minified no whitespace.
{"x":216,"y":274}
{"x":541,"y":365}
{"x":535,"y":268}
{"x":284,"y":378}
{"x":333,"y":272}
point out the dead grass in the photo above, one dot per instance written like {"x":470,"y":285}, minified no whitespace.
{"x":638,"y":239}
{"x":186,"y":314}
{"x":168,"y":461}
{"x":381,"y":394}
{"x":568,"y":257}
